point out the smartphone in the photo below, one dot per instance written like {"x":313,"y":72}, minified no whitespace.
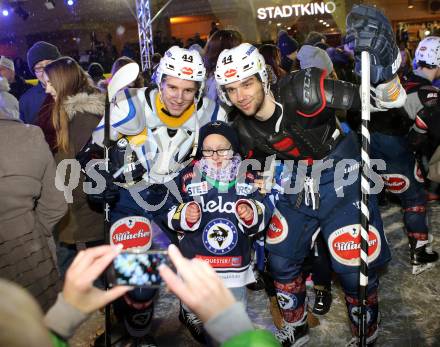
{"x":138,"y":269}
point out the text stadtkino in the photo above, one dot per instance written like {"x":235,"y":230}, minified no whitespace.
{"x":296,"y":10}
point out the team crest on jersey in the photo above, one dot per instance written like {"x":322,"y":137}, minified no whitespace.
{"x":344,"y":244}
{"x":278,"y":228}
{"x":132,"y":232}
{"x":418,"y":173}
{"x":220,"y":236}
{"x":395,"y":183}
{"x":287,"y":301}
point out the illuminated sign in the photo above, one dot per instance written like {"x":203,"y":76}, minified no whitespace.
{"x":285,"y":11}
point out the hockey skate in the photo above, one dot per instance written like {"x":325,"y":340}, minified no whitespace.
{"x":193,"y":324}
{"x":294,"y":334}
{"x":422,"y":255}
{"x":323,"y":300}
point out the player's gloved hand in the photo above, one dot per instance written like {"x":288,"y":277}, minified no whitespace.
{"x":369,"y":30}
{"x":102,"y":180}
{"x":388,"y":95}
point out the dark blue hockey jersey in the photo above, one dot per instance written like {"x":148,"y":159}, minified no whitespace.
{"x":220,"y":237}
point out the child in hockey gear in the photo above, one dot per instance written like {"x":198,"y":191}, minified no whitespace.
{"x":300,"y":124}
{"x":220,"y":210}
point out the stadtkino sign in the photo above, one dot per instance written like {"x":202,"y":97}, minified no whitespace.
{"x":309,"y":9}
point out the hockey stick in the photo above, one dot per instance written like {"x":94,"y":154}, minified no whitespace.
{"x":365,"y":192}
{"x":121,"y":79}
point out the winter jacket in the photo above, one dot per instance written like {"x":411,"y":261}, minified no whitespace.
{"x":8,"y":103}
{"x":82,"y":223}
{"x":19,"y":87}
{"x":30,"y":103}
{"x":30,"y":206}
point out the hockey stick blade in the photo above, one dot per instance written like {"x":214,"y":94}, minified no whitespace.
{"x":122,"y":78}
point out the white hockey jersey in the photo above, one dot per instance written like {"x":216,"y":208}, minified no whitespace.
{"x":161,"y":142}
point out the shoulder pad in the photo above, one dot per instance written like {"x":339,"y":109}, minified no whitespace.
{"x":127,"y":113}
{"x":429,"y":96}
{"x":307,"y":88}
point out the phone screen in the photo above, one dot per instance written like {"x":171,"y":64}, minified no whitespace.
{"x":138,"y":269}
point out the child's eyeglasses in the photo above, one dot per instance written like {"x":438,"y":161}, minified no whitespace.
{"x":220,"y":152}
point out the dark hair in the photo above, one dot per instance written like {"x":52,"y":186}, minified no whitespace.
{"x":219,"y":41}
{"x":314,"y":37}
{"x":272,"y":57}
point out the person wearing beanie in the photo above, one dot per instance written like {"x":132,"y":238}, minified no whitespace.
{"x":31,"y":103}
{"x":312,"y":56}
{"x":17,"y":84}
{"x":220,"y":209}
{"x":96,"y":72}
{"x":288,"y":48}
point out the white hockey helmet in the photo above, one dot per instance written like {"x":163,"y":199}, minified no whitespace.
{"x":238,"y":63}
{"x":184,"y":64}
{"x":428,"y":51}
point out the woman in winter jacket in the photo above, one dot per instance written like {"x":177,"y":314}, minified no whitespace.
{"x":30,"y":206}
{"x":78,"y":109}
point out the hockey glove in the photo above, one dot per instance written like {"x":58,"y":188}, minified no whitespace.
{"x":369,"y":30}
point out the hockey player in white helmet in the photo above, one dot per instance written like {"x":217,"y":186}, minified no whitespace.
{"x":156,"y":131}
{"x":296,"y":122}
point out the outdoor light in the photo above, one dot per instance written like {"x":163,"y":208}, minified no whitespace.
{"x":5,"y":12}
{"x":410,"y":3}
{"x":70,"y":2}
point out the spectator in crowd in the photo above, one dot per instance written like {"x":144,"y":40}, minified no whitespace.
{"x":78,"y":108}
{"x":96,"y":72}
{"x":405,"y":69}
{"x":21,"y":68}
{"x":17,"y":84}
{"x":288,"y":48}
{"x":314,"y":38}
{"x":214,"y":28}
{"x":272,"y":57}
{"x":30,"y":206}
{"x":312,"y":56}
{"x":36,"y":105}
{"x":38,"y":56}
{"x":220,"y":40}
{"x":8,"y":103}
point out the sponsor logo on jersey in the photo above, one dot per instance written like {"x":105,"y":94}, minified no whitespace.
{"x":243,"y":188}
{"x":344,"y":244}
{"x":395,"y":183}
{"x":286,"y":300}
{"x":230,"y":73}
{"x":220,"y":236}
{"x":132,"y":232}
{"x":418,"y":173}
{"x":221,"y":262}
{"x":217,"y":206}
{"x":195,"y":189}
{"x":186,"y":70}
{"x":278,"y":228}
